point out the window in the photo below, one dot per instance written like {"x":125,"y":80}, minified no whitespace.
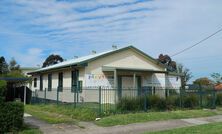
{"x":41,"y":83}
{"x":75,"y":77}
{"x":49,"y":82}
{"x":80,"y":86}
{"x":35,"y":82}
{"x":60,"y":82}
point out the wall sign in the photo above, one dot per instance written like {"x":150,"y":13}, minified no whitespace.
{"x":95,"y":80}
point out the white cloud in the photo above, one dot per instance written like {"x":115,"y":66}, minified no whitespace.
{"x":68,"y":27}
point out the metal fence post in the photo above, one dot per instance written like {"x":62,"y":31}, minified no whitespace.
{"x":45,"y":96}
{"x":180,"y":89}
{"x":214,"y":99}
{"x":100,"y":101}
{"x":74,"y":98}
{"x":201,"y":96}
{"x":145,"y":99}
{"x":166,"y":92}
{"x":57,"y":99}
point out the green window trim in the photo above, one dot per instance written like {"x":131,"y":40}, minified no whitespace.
{"x":80,"y":86}
{"x":41,"y":83}
{"x":49,"y":82}
{"x":60,"y":82}
{"x":76,"y":85}
{"x":35,"y":82}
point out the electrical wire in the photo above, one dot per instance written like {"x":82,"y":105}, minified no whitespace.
{"x":204,"y":39}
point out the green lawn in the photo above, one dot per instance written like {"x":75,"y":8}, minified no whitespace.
{"x":61,"y":113}
{"x":29,"y":130}
{"x":123,"y":119}
{"x":213,"y":128}
{"x":68,"y":114}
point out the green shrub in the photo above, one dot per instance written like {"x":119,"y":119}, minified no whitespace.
{"x":219,"y":99}
{"x":161,"y":104}
{"x":130,"y":104}
{"x":3,"y":85}
{"x":208,"y":100}
{"x":11,"y":116}
{"x":172,"y":102}
{"x":153,"y":101}
{"x":190,"y":101}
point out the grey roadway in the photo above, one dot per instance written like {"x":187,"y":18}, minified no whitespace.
{"x":136,"y":128}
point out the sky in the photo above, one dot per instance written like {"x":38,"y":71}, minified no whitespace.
{"x":30,"y":30}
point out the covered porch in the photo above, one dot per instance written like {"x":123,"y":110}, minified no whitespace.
{"x":134,"y":81}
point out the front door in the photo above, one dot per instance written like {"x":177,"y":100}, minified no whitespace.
{"x":126,"y":86}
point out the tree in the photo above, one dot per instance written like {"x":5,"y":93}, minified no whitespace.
{"x":52,"y":59}
{"x":166,"y":60}
{"x":3,"y":66}
{"x":187,"y":75}
{"x":203,"y":81}
{"x":217,"y":77}
{"x":14,"y":69}
{"x":13,"y":65}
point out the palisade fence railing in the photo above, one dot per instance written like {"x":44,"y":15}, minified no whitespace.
{"x":105,"y":100}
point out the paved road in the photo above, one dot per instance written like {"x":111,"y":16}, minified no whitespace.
{"x":136,"y":128}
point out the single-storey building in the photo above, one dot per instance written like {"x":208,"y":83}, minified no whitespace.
{"x":119,"y":70}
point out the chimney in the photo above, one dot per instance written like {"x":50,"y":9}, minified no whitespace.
{"x":75,"y":57}
{"x":114,"y":47}
{"x":93,"y":52}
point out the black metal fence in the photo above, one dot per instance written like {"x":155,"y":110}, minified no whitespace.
{"x":105,"y":100}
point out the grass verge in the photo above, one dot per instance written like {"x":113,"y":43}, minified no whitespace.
{"x":212,"y":128}
{"x":123,"y":119}
{"x":29,"y":130}
{"x":60,"y":114}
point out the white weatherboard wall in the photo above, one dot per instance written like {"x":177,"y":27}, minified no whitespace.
{"x":92,"y":75}
{"x":173,"y":82}
{"x":66,"y":95}
{"x":123,"y":59}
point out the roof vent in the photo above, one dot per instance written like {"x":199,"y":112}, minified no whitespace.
{"x":114,"y":47}
{"x":75,"y":57}
{"x":93,"y":52}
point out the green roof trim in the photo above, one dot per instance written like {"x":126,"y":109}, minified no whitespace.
{"x":107,"y":68}
{"x":84,"y":62}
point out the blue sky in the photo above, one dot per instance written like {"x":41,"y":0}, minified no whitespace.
{"x":30,"y":30}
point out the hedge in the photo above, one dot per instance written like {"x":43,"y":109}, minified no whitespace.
{"x":156,"y":103}
{"x":2,"y":89}
{"x":11,"y":113}
{"x":11,"y":116}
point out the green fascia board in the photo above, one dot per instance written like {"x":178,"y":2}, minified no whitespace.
{"x":85,"y":63}
{"x":109,"y":69}
{"x":58,"y":68}
{"x":15,"y":79}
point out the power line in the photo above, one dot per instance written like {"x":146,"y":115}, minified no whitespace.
{"x":197,"y":43}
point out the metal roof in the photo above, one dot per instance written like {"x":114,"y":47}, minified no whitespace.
{"x":14,"y":79}
{"x":88,"y":58}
